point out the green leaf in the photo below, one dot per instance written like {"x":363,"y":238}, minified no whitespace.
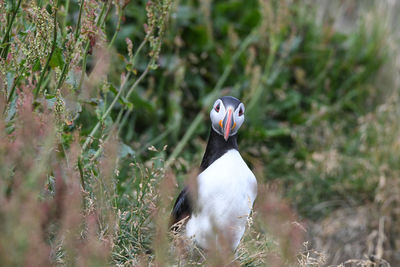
{"x":122,"y":100}
{"x":125,"y":150}
{"x":113,"y":89}
{"x":129,"y":105}
{"x":67,"y":139}
{"x":129,"y":67}
{"x":140,"y":102}
{"x":57,"y":59}
{"x":12,"y":110}
{"x":10,"y":6}
{"x":37,"y":66}
{"x":100,"y":109}
{"x":10,"y":81}
{"x":4,"y":45}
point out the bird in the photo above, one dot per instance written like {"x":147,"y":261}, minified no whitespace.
{"x":226,"y":187}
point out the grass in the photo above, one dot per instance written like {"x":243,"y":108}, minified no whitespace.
{"x":104,"y":108}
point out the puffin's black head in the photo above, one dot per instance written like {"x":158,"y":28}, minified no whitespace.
{"x":227,"y":115}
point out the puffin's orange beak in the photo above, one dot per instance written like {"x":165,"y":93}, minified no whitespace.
{"x":228,"y":122}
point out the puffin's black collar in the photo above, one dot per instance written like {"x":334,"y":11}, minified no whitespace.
{"x":216,"y":147}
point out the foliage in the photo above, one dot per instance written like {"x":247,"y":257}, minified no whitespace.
{"x":102,"y":101}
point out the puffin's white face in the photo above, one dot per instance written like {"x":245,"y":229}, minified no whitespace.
{"x":225,"y":118}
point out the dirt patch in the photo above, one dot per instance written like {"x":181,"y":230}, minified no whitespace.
{"x":370,"y":232}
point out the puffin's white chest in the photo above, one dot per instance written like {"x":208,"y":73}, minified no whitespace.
{"x":226,"y":192}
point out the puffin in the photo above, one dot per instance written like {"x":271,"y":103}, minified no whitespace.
{"x":226,"y":188}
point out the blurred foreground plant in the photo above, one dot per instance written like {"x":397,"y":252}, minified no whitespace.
{"x":58,"y":199}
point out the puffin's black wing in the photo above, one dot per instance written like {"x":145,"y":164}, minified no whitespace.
{"x":182,"y":207}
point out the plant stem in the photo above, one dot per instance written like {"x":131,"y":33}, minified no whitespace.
{"x":65,"y":17}
{"x":6,"y":36}
{"x":16,"y":81}
{"x":133,"y":62}
{"x":87,"y":46}
{"x":78,"y":25}
{"x":83,"y":70}
{"x":113,"y":103}
{"x":116,"y":30}
{"x":100,"y":149}
{"x":137,"y":51}
{"x":62,"y":76}
{"x":192,"y":128}
{"x":138,"y":81}
{"x":90,"y":136}
{"x":98,"y":152}
{"x":66,"y":65}
{"x":53,"y":47}
{"x":80,"y":168}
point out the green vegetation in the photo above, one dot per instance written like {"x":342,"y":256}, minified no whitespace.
{"x":104,"y":112}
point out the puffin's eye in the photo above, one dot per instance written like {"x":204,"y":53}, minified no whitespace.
{"x":217,"y":107}
{"x":241,"y":112}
